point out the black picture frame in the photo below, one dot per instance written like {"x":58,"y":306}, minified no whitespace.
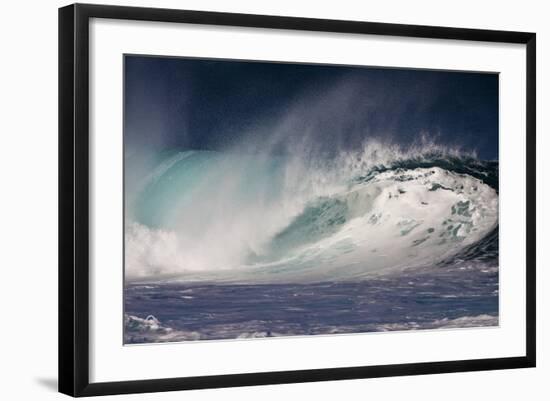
{"x":74,"y":198}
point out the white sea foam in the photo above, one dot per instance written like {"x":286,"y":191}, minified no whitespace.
{"x":150,"y":329}
{"x":292,"y":220}
{"x":445,"y":323}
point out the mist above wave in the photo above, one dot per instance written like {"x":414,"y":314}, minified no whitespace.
{"x":225,"y":216}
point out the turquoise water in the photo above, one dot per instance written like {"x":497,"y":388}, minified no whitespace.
{"x":225,"y":246}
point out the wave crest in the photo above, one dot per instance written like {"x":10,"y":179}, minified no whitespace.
{"x":216,"y":216}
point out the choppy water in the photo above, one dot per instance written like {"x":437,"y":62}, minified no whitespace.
{"x":225,"y":246}
{"x":438,"y":297}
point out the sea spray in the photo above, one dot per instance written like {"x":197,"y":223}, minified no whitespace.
{"x":203,"y":215}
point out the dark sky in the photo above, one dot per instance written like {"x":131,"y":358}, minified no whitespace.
{"x":215,"y":104}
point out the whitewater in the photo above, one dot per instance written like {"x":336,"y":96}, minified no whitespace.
{"x":212,"y":216}
{"x":229,"y":245}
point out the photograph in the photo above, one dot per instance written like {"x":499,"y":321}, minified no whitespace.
{"x":271,"y":199}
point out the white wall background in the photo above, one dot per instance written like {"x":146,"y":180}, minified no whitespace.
{"x":28,"y":201}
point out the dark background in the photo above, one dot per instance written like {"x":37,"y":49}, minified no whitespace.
{"x":218,"y":104}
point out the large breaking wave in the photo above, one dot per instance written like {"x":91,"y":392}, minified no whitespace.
{"x":202,"y":215}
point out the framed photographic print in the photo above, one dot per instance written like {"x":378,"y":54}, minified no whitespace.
{"x":249,"y":199}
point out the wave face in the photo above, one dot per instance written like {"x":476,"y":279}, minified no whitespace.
{"x":204,"y":215}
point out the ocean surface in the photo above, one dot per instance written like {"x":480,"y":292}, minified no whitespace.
{"x":442,"y":297}
{"x":227,"y":246}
